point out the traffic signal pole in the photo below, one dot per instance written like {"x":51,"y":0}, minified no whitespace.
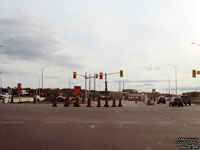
{"x":106,"y":83}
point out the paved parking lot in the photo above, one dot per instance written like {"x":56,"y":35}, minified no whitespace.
{"x":134,"y":126}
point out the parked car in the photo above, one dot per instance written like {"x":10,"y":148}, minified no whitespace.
{"x":161,"y":100}
{"x":186,"y":100}
{"x":176,"y":101}
{"x":3,"y":95}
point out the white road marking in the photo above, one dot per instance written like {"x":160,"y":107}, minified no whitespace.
{"x":164,"y":122}
{"x":195,"y":122}
{"x":92,"y":122}
{"x":55,"y":122}
{"x":5,"y":122}
{"x":129,"y":122}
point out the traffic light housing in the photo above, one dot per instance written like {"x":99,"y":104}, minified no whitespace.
{"x":101,"y":75}
{"x":121,"y":73}
{"x":194,"y":73}
{"x":74,"y":75}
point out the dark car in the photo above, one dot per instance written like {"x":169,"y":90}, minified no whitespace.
{"x":161,"y":100}
{"x":186,"y":100}
{"x":176,"y":102}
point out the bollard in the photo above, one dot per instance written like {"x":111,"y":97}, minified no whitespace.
{"x":106,"y":103}
{"x":89,"y":103}
{"x":120,"y":103}
{"x":149,"y":102}
{"x":77,"y":104}
{"x":34,"y":100}
{"x":114,"y":103}
{"x":12,"y":99}
{"x":3,"y":100}
{"x":54,"y":103}
{"x":136,"y":101}
{"x":99,"y":102}
{"x":66,"y":102}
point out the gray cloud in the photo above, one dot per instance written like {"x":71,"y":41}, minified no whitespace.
{"x":31,"y":40}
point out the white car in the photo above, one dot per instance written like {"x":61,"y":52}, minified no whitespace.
{"x":3,"y":95}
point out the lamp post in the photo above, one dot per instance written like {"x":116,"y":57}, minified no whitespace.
{"x":195,"y":44}
{"x":168,"y":82}
{"x":175,"y":77}
{"x":42,"y":80}
{"x":0,"y":75}
{"x":1,"y":82}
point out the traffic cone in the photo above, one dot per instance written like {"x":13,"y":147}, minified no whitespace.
{"x":66,"y":102}
{"x":148,"y":102}
{"x":77,"y":104}
{"x":89,"y":103}
{"x":12,"y":99}
{"x":54,"y":103}
{"x":34,"y":100}
{"x":114,"y":103}
{"x":99,"y":102}
{"x":106,"y":103}
{"x":120,"y":103}
{"x":136,"y":101}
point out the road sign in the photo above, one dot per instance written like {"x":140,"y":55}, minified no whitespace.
{"x":77,"y":90}
{"x":19,"y":87}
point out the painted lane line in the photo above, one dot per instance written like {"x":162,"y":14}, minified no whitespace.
{"x":163,"y":122}
{"x":194,"y":122}
{"x":129,"y":122}
{"x":92,"y":122}
{"x":55,"y":122}
{"x":11,"y":122}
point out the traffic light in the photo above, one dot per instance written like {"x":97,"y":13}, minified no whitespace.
{"x":101,"y":75}
{"x":121,"y":73}
{"x":194,"y":73}
{"x":74,"y":75}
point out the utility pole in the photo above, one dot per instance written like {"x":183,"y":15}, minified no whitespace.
{"x":0,"y":82}
{"x":86,"y":86}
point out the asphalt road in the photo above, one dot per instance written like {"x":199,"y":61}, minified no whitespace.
{"x":132,"y":127}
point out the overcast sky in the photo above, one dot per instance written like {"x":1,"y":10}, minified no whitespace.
{"x":141,"y":37}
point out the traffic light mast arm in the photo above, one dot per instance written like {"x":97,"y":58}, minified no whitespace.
{"x":113,"y":73}
{"x":85,"y":76}
{"x":81,"y":75}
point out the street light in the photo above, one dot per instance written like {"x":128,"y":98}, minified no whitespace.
{"x":42,"y":80}
{"x":1,"y":82}
{"x":175,"y":76}
{"x":195,"y":44}
{"x":168,"y":81}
